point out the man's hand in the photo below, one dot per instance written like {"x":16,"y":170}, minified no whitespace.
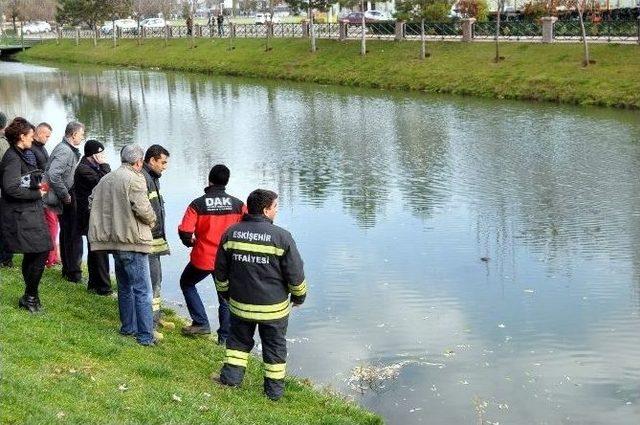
{"x":67,"y":200}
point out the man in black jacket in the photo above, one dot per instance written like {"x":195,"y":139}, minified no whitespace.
{"x":40,"y":139}
{"x":257,"y":268}
{"x":92,"y":167}
{"x":156,"y":160}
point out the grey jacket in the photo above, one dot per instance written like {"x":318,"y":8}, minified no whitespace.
{"x":121,"y":215}
{"x":4,"y":144}
{"x":60,"y":172}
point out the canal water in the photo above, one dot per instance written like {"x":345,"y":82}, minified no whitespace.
{"x":469,"y":260}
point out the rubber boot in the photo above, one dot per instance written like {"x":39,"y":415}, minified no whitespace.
{"x":29,"y":303}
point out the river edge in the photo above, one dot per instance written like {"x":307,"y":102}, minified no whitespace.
{"x":531,"y":71}
{"x":69,"y":363}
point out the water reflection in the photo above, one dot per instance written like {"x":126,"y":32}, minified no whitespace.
{"x":393,"y":199}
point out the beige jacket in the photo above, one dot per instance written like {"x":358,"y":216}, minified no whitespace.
{"x":121,"y":215}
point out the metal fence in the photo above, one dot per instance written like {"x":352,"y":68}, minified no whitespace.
{"x":509,"y":30}
{"x":610,"y":31}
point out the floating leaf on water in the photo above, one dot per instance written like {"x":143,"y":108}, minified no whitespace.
{"x":449,"y":352}
{"x":529,"y":291}
{"x":417,"y":409}
{"x":501,"y":325}
{"x":381,"y":325}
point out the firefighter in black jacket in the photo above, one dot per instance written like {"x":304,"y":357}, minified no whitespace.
{"x":257,"y":267}
{"x":156,"y":161}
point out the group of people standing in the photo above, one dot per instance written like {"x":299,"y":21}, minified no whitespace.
{"x":257,"y":269}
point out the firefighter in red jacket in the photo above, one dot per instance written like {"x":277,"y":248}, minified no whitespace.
{"x":203,"y":224}
{"x":260,"y":272}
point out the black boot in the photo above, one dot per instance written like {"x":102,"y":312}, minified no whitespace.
{"x":28,"y":302}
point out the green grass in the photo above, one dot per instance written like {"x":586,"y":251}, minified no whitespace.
{"x":69,"y":365}
{"x":530,"y":71}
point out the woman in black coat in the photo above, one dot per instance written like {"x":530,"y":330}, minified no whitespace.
{"x":24,"y":229}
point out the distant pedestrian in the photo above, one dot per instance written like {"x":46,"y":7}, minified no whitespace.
{"x":259,"y":270}
{"x":189,"y":23}
{"x":60,"y":174}
{"x":203,"y":224}
{"x":24,"y":229}
{"x":221,"y":25}
{"x":40,"y":139}
{"x":92,"y":168}
{"x":6,"y":258}
{"x":156,"y":161}
{"x":120,"y":222}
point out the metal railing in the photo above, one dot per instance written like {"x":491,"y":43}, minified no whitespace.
{"x":610,"y":31}
{"x":509,"y":30}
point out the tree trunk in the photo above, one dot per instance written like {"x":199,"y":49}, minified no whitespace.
{"x":585,"y":59}
{"x":497,"y":58}
{"x":423,"y":43}
{"x":312,"y":30}
{"x":363,"y":43}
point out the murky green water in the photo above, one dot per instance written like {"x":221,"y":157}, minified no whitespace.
{"x":393,"y":199}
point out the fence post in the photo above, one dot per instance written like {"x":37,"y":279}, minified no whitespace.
{"x":638,"y":29}
{"x":232,"y":30}
{"x":343,"y":31}
{"x":77,"y":36}
{"x":467,"y":29}
{"x":95,"y":37}
{"x":399,"y":35}
{"x":305,"y":29}
{"x":22,"y":35}
{"x":59,"y":35}
{"x":547,"y":28}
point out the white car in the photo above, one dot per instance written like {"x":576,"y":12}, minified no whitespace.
{"x":36,"y":27}
{"x":377,"y":15}
{"x":263,"y":18}
{"x":152,"y":23}
{"x":124,"y":25}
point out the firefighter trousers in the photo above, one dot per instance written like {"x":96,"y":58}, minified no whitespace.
{"x":274,"y":353}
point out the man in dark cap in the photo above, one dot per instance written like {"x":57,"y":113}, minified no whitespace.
{"x":6,"y":258}
{"x":204,"y":222}
{"x":93,"y":166}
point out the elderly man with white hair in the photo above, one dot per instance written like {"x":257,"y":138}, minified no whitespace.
{"x":120,"y":222}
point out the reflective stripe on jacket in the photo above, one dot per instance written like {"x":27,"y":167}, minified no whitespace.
{"x":159,"y":245}
{"x":257,"y":267}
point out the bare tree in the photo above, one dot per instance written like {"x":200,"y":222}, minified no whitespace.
{"x":580,"y":6}
{"x":498,"y":58}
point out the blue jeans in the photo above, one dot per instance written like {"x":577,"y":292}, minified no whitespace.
{"x":134,"y":295}
{"x":191,"y":276}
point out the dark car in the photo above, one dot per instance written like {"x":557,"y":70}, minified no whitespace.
{"x":354,"y":18}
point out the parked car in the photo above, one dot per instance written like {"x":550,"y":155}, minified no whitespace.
{"x":36,"y":27}
{"x":377,"y":15}
{"x":354,"y":18}
{"x":124,"y":25}
{"x":153,"y":23}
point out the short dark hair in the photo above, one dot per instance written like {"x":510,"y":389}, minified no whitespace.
{"x":18,"y":127}
{"x":219,"y":174}
{"x":3,"y":120}
{"x":155,"y":152}
{"x":72,"y":128}
{"x":260,"y":199}
{"x":45,"y":124}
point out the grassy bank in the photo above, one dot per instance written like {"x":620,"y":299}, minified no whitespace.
{"x":70,"y":365}
{"x":530,"y":71}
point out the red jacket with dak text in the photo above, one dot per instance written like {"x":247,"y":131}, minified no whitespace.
{"x":205,"y":221}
